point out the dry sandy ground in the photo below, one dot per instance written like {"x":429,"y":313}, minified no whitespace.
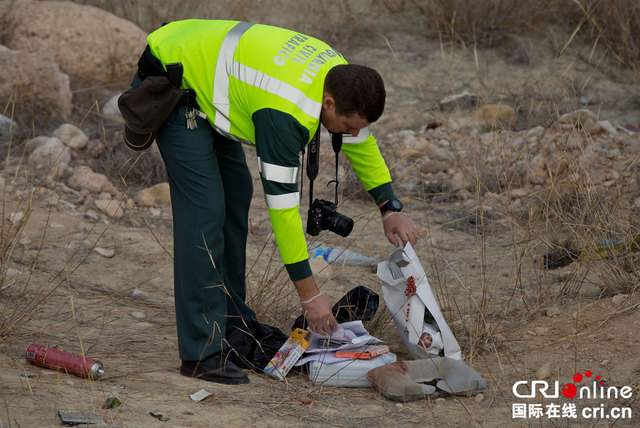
{"x":92,"y":306}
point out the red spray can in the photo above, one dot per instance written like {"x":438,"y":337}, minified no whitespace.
{"x":66,"y":362}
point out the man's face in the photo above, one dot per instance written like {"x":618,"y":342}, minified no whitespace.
{"x":340,"y":124}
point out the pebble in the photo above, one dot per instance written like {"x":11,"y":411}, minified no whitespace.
{"x":544,"y":371}
{"x":553,"y":311}
{"x":139,"y":293}
{"x":541,"y":330}
{"x":618,"y":299}
{"x":138,"y":315}
{"x":479,"y":398}
{"x":604,"y":363}
{"x":105,"y":252}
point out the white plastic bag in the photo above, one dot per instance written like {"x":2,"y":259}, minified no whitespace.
{"x":409,"y":305}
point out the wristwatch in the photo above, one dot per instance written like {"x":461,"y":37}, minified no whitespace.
{"x":392,"y":204}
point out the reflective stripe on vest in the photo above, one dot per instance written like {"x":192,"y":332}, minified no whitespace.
{"x":280,"y":202}
{"x":221,"y":81}
{"x":277,"y":173}
{"x":227,"y":67}
{"x":362,"y":136}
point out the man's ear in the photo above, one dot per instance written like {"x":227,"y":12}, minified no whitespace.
{"x":328,"y":101}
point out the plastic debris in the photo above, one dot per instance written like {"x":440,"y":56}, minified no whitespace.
{"x":200,"y":395}
{"x":336,"y":255}
{"x":159,"y":416}
{"x":78,"y":418}
{"x":112,"y":402}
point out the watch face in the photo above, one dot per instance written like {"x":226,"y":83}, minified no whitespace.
{"x":396,"y":204}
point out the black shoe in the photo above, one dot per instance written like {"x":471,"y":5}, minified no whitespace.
{"x":214,"y":369}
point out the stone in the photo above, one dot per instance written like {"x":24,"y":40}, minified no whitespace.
{"x":544,"y":372}
{"x":541,"y":330}
{"x":35,"y":81}
{"x":144,"y":198}
{"x":139,"y":294}
{"x":578,"y":118}
{"x":33,"y":143}
{"x":89,"y":44}
{"x":138,"y":315}
{"x":518,"y":193}
{"x":553,"y":311}
{"x":84,"y":178}
{"x":495,"y":114}
{"x":154,"y":195}
{"x":51,"y":154}
{"x":107,"y":253}
{"x":71,"y":136}
{"x":607,"y":127}
{"x":110,"y":109}
{"x":110,"y":207}
{"x":619,"y":299}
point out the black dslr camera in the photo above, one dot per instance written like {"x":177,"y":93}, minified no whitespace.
{"x":323,"y":215}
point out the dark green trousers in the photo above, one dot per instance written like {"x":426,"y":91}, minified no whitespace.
{"x":211,"y":190}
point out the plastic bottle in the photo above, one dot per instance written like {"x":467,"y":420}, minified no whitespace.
{"x":336,"y":255}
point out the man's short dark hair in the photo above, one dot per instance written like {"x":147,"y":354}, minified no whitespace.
{"x":356,"y":89}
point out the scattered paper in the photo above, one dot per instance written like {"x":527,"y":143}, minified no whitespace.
{"x":351,"y":335}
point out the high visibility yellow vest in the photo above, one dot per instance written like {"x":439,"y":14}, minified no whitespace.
{"x":240,"y":70}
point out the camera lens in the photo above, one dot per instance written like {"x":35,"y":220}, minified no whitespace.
{"x":340,"y":224}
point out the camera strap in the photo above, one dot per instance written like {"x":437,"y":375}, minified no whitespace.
{"x":313,"y":161}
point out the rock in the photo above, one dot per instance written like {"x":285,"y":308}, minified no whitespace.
{"x":34,"y":81}
{"x":579,"y":118}
{"x":154,"y":195}
{"x":33,"y":143}
{"x":541,"y":330}
{"x":553,"y":311}
{"x":7,"y":125}
{"x":607,"y":127}
{"x":495,"y":114}
{"x":107,"y":253}
{"x":71,"y":136}
{"x":137,"y":293}
{"x":535,"y":132}
{"x":518,"y":193}
{"x":10,"y":277}
{"x":84,"y":178}
{"x":138,"y":315}
{"x":619,"y":299}
{"x":576,"y":142}
{"x":479,"y":398}
{"x":604,"y":363}
{"x":110,"y":207}
{"x":89,"y":44}
{"x":544,"y":372}
{"x":110,"y":109}
{"x":52,"y":154}
{"x":144,"y":198}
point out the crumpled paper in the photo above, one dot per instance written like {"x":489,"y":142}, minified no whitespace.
{"x":409,"y":311}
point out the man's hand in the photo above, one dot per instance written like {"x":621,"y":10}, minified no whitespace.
{"x":315,"y":307}
{"x":319,"y":316}
{"x":401,"y":225}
